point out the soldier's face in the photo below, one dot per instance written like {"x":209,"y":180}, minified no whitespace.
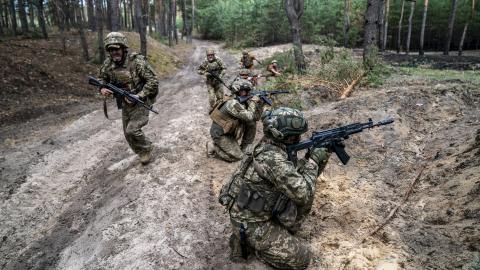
{"x":210,"y":57}
{"x":243,"y":93}
{"x":116,"y":54}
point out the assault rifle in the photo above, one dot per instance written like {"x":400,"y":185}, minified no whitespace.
{"x":333,"y":139}
{"x":216,"y":77}
{"x":119,"y":93}
{"x":264,"y":95}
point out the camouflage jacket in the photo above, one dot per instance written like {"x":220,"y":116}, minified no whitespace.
{"x":247,"y":61}
{"x":134,"y":74}
{"x":216,"y":66}
{"x":267,"y":173}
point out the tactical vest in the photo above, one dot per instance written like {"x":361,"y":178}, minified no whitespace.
{"x":124,"y":76}
{"x":247,"y":61}
{"x":229,"y":124}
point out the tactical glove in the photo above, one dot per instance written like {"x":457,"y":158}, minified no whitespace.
{"x":320,"y":155}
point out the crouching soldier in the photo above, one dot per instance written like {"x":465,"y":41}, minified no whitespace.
{"x":234,"y":120}
{"x":268,"y":197}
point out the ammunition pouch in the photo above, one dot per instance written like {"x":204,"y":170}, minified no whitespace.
{"x":277,"y":204}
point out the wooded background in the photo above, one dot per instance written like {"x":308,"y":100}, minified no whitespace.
{"x":402,"y":25}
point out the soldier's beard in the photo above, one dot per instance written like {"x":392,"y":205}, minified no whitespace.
{"x":117,"y":56}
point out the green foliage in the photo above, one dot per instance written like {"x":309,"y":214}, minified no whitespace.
{"x":252,"y":23}
{"x":442,"y":75}
{"x":377,"y":75}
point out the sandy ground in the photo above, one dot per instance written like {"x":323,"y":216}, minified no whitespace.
{"x":77,"y":197}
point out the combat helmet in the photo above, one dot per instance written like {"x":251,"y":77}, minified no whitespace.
{"x":116,"y":39}
{"x":282,"y":123}
{"x":244,"y":52}
{"x":210,"y":51}
{"x":244,"y":72}
{"x":242,"y":85}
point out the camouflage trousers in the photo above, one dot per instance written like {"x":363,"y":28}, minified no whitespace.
{"x":274,"y":245}
{"x":227,"y":147}
{"x":215,"y":93}
{"x":133,"y":119}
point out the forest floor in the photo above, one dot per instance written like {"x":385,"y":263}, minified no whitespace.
{"x":74,"y":196}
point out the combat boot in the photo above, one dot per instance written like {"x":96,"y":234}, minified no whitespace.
{"x":145,"y":157}
{"x":235,"y":249}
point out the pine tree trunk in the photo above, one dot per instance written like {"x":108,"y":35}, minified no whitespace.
{"x":149,"y":19}
{"x":1,"y":18}
{"x":346,"y":22}
{"x":31,"y":15}
{"x":381,"y":17}
{"x":91,"y":15}
{"x":422,"y":30}
{"x":169,"y":23}
{"x":5,"y":15}
{"x":125,"y":14}
{"x":294,"y":10}
{"x":132,"y":18}
{"x":370,"y":39}
{"x":410,"y":18}
{"x":451,"y":22}
{"x":465,"y":29}
{"x":174,"y":21}
{"x":83,"y":40}
{"x":115,"y":7}
{"x":109,"y":15}
{"x":140,"y":22}
{"x":399,"y":35}
{"x":158,"y":16}
{"x":23,"y":16}
{"x":385,"y":26}
{"x":99,"y":25}
{"x":13,"y":17}
{"x":193,"y":20}
{"x":41,"y":18}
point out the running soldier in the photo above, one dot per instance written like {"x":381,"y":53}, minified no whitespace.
{"x":213,"y":67}
{"x":132,"y":72}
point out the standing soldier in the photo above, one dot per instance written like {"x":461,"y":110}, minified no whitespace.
{"x":247,"y":60}
{"x":268,"y":197}
{"x":232,"y":121}
{"x":213,"y":67}
{"x":132,"y":72}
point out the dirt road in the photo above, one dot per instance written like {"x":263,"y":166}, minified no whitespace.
{"x":77,"y":197}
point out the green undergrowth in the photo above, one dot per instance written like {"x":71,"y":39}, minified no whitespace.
{"x":443,"y":75}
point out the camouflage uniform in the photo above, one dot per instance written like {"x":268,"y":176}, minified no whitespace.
{"x":233,"y":120}
{"x":264,"y":178}
{"x":247,"y":60}
{"x":214,"y":87}
{"x":136,"y":75}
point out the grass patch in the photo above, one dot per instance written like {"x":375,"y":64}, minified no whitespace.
{"x":443,"y":75}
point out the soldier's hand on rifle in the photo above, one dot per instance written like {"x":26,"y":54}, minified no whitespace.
{"x":319,"y":155}
{"x":105,"y":92}
{"x":130,"y":102}
{"x":255,"y":99}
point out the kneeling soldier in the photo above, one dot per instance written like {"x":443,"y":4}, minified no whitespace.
{"x":233,"y":121}
{"x":268,"y":197}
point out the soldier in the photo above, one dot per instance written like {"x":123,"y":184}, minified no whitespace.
{"x":273,"y":70}
{"x":268,"y":197}
{"x":213,"y":65}
{"x":132,"y":72}
{"x":233,"y":120}
{"x":245,"y":74}
{"x":247,"y":60}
